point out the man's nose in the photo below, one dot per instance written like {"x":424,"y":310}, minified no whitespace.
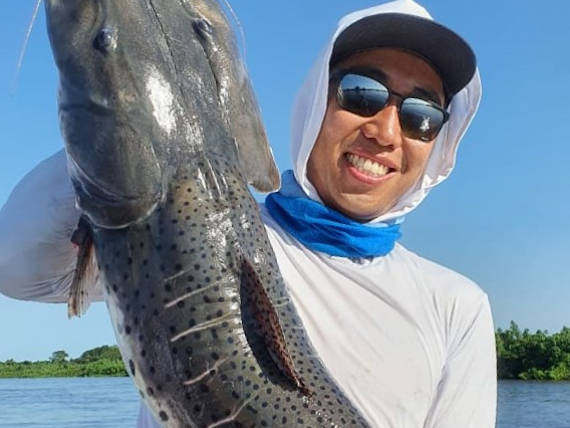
{"x":384,"y":127}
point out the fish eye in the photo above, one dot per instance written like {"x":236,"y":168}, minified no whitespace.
{"x":104,"y":40}
{"x":203,"y":28}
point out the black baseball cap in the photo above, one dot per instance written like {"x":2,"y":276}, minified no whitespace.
{"x":442,"y":48}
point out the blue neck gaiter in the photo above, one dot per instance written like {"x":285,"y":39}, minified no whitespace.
{"x":323,"y":229}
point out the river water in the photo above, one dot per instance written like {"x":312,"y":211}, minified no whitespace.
{"x":113,"y":403}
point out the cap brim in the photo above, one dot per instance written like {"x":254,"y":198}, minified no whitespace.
{"x":446,"y":51}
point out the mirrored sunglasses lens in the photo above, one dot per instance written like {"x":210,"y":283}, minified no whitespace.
{"x":420,"y":120}
{"x":361,"y":95}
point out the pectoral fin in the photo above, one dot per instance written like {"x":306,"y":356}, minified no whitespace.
{"x":86,"y":271}
{"x":237,"y":99}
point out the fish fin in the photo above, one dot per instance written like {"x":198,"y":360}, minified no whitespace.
{"x":86,"y":271}
{"x":257,"y":305}
{"x":260,"y":169}
{"x":237,"y":99}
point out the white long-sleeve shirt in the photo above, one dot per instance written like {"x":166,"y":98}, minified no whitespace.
{"x":410,"y":342}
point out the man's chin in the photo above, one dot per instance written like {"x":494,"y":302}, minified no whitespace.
{"x":359,"y":208}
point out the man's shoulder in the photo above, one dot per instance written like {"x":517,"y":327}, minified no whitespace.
{"x":439,"y":279}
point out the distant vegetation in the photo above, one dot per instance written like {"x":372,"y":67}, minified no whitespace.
{"x":537,"y":356}
{"x":520,"y":355}
{"x":101,"y":361}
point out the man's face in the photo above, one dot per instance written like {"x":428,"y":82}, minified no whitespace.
{"x":342,"y":163}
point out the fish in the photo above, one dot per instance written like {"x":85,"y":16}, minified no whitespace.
{"x":163,"y":136}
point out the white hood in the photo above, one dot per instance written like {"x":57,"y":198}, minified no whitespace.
{"x":311,"y":103}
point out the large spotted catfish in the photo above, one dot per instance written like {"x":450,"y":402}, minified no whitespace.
{"x":163,"y":135}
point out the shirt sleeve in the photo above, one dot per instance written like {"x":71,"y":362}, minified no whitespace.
{"x":37,"y":258}
{"x":145,"y":418}
{"x":467,"y":393}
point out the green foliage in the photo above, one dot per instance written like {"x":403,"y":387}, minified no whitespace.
{"x":101,"y":361}
{"x":100,"y":353}
{"x":533,"y":356}
{"x":520,"y":355}
{"x":59,"y":357}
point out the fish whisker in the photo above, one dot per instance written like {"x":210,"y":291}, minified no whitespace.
{"x":203,"y":326}
{"x":25,"y":44}
{"x":208,"y":370}
{"x":187,"y":296}
{"x":233,"y":415}
{"x":283,"y":303}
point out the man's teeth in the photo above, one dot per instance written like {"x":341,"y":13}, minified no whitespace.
{"x":367,"y":166}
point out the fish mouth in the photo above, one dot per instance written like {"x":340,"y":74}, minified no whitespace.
{"x":94,"y":189}
{"x":106,"y":208}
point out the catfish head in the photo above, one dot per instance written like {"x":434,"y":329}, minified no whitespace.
{"x":144,"y":86}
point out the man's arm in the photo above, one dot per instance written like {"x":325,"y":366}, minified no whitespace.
{"x":467,"y":393}
{"x":37,"y":258}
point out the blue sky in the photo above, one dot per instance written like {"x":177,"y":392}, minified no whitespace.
{"x":501,"y":219}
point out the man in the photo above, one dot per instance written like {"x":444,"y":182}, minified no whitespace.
{"x":375,"y":126}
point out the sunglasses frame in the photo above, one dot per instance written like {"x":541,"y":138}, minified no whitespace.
{"x":337,"y":76}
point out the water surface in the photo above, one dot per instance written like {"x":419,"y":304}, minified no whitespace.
{"x":68,"y":403}
{"x":533,"y":404}
{"x":114,"y":402}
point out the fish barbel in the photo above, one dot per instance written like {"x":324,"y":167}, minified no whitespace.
{"x":163,"y":135}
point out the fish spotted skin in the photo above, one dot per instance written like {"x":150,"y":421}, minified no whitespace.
{"x":179,"y":287}
{"x":160,"y":157}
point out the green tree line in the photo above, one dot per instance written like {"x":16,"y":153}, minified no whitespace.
{"x":520,"y":355}
{"x":533,"y":356}
{"x":101,"y":361}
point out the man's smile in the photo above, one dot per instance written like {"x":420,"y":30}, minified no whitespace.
{"x":372,"y":169}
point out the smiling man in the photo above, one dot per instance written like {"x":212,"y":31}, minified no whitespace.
{"x":375,"y":127}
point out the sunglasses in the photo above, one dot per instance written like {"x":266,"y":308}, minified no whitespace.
{"x":420,"y":119}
